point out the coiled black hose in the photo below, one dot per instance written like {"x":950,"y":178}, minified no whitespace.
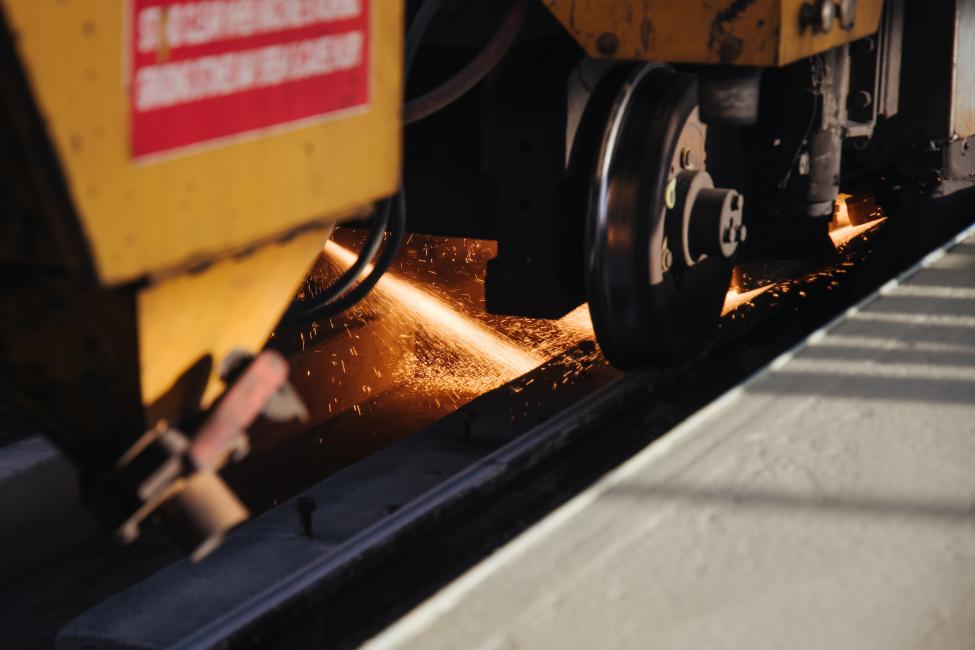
{"x":391,"y":213}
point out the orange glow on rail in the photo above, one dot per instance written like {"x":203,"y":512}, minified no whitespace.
{"x":844,"y":234}
{"x":733,"y":300}
{"x":429,"y":317}
{"x":844,"y":227}
{"x":446,"y":322}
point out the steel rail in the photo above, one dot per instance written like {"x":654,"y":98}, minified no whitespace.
{"x":476,"y":481}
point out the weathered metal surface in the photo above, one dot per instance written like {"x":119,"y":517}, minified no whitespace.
{"x":70,"y":356}
{"x":161,"y":220}
{"x":737,"y":32}
{"x":145,"y":215}
{"x":231,"y":304}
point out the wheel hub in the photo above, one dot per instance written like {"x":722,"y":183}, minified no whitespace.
{"x":703,"y":220}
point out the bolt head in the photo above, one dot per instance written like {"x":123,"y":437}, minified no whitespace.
{"x":819,"y":14}
{"x":847,"y":10}
{"x":670,"y":194}
{"x":862,"y":99}
{"x":306,"y":505}
{"x":803,"y":164}
{"x":736,"y":201}
{"x":608,"y":43}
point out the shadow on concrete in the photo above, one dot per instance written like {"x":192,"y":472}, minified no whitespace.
{"x":876,"y":506}
{"x":943,"y":334}
{"x":943,"y":306}
{"x":947,"y":276}
{"x":897,"y":356}
{"x":922,"y":320}
{"x":867,"y":386}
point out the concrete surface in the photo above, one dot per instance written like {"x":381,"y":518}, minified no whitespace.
{"x":827,"y":503}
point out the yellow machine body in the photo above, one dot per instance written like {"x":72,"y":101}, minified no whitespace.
{"x":758,"y":33}
{"x":219,"y":235}
{"x":233,"y":304}
{"x":143,"y":217}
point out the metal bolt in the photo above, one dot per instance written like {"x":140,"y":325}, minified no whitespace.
{"x":686,"y":160}
{"x":670,"y":194}
{"x":819,"y":15}
{"x":608,"y":43}
{"x":847,"y":10}
{"x":306,"y":506}
{"x":861,"y":99}
{"x":803,"y":164}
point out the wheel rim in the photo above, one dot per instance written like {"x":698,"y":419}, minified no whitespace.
{"x":644,"y":309}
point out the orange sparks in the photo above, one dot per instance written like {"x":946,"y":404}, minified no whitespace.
{"x":447,"y":322}
{"x":844,"y":227}
{"x":733,"y":300}
{"x":844,"y":234}
{"x":577,"y":321}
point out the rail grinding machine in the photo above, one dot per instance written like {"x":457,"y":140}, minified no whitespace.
{"x":171,"y":169}
{"x":167,"y":181}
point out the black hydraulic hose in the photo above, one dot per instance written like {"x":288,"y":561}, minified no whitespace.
{"x":485,"y":61}
{"x":315,"y":307}
{"x":377,"y":228}
{"x":418,"y":29}
{"x":391,"y":213}
{"x":340,"y":295}
{"x":396,"y":233}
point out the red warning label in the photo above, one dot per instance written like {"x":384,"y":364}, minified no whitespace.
{"x":206,"y":70}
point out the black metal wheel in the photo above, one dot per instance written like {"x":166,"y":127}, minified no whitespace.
{"x":659,"y":235}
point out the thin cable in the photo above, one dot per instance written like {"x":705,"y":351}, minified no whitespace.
{"x":479,"y":67}
{"x":817,"y":108}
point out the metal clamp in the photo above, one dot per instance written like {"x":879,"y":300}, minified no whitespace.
{"x":167,"y":471}
{"x":821,"y":14}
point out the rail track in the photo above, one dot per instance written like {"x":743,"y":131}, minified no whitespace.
{"x":496,"y":473}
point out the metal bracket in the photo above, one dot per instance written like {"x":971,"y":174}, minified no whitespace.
{"x":176,"y":475}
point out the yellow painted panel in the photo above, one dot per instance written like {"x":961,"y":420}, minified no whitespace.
{"x":795,"y":44}
{"x":757,"y":33}
{"x":149,"y":216}
{"x":231,"y":304}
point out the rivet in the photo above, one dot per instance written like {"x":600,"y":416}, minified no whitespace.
{"x":670,"y":194}
{"x":608,"y":43}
